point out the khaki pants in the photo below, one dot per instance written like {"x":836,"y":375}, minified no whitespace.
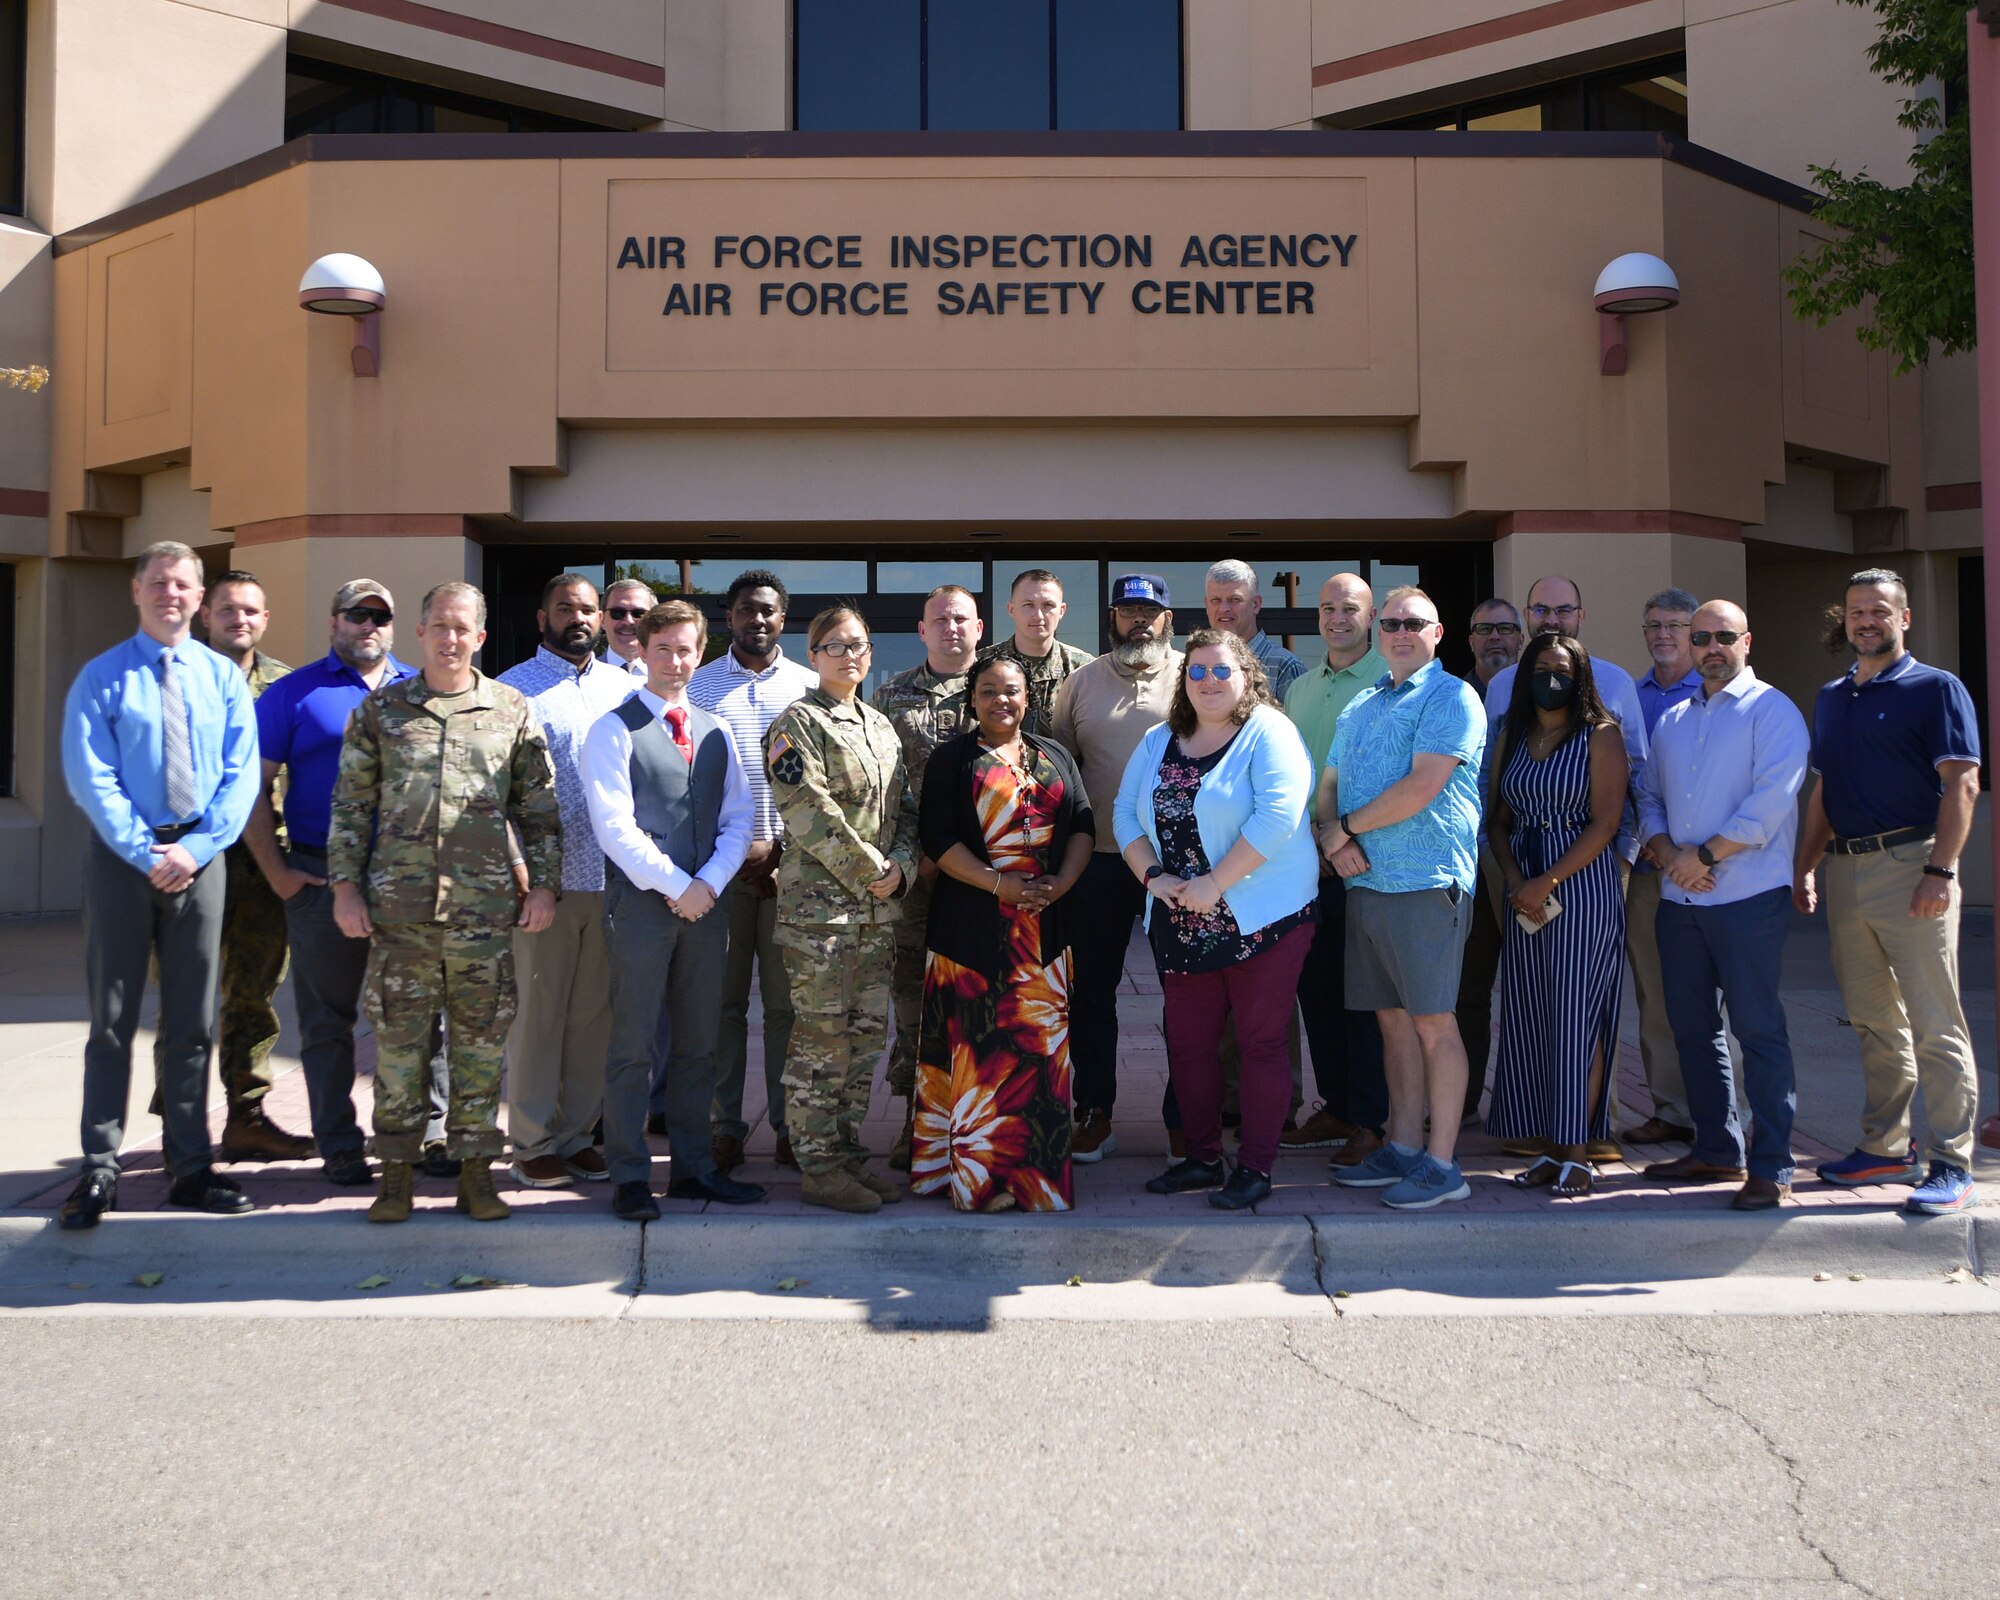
{"x":1899,"y":977}
{"x":1656,"y":1035}
{"x":556,"y":1048}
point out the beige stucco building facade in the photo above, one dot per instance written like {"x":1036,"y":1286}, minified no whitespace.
{"x":702,"y":336}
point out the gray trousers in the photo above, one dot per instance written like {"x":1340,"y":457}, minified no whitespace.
{"x":753,"y":928}
{"x":126,"y":921}
{"x":660,"y":963}
{"x":327,"y":969}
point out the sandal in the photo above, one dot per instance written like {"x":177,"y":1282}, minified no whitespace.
{"x":1568,"y":1188}
{"x":1543,"y":1173}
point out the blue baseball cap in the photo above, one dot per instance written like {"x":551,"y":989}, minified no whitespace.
{"x":1140,"y":589}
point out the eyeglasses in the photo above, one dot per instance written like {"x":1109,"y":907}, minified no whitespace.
{"x":1553,"y":611}
{"x":1406,"y":624}
{"x":624,"y":613}
{"x":1140,"y":612}
{"x":1664,"y":627}
{"x":1722,"y":636}
{"x":368,"y":616}
{"x":1506,"y":630}
{"x":1221,"y":670}
{"x":839,"y":648}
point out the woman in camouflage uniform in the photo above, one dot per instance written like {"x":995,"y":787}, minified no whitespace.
{"x":837,"y":776}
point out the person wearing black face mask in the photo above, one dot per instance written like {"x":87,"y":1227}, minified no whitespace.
{"x":1558,"y":794}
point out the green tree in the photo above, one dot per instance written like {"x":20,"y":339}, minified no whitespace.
{"x":1907,"y":249}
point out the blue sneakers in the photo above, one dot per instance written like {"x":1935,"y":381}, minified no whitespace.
{"x":1430,"y":1183}
{"x":1864,"y":1166}
{"x":1945,"y":1189}
{"x":1382,"y":1168}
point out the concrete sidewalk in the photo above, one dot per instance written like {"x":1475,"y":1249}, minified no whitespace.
{"x":308,"y":1240}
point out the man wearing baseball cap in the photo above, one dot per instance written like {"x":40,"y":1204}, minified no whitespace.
{"x":1101,"y":713}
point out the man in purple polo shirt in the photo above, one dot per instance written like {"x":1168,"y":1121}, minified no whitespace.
{"x":300,"y":721}
{"x":1896,"y":746}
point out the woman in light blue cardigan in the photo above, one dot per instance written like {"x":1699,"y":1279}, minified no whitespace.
{"x":1214,"y":817}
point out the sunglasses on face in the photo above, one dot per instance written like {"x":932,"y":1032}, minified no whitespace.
{"x":1506,"y":630}
{"x":625,"y":613}
{"x":1406,"y":624}
{"x":368,"y":616}
{"x":1722,"y":636}
{"x":1221,"y":672}
{"x":838,"y":648}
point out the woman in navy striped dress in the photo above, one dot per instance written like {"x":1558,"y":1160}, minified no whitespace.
{"x":1559,"y":791}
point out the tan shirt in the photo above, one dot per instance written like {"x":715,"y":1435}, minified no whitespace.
{"x":1102,"y":712}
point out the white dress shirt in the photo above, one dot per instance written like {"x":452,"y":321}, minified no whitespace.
{"x":1729,"y":764}
{"x":607,"y":784}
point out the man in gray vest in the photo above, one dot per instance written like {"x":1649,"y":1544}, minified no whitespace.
{"x":672,"y":810}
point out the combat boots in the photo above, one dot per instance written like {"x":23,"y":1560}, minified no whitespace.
{"x":475,"y":1192}
{"x":899,"y":1152}
{"x":884,"y":1190}
{"x":250,"y":1135}
{"x":838,"y":1190}
{"x":393,"y":1203}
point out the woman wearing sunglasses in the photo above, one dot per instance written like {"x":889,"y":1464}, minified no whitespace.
{"x":850,"y":820}
{"x":1212,"y":817}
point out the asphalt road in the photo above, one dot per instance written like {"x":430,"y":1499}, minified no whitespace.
{"x":1801,"y":1456}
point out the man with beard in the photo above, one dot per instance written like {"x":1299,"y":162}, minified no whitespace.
{"x":745,"y":688}
{"x":300,"y":720}
{"x":555,"y":1051}
{"x":625,"y":602}
{"x":1896,"y":745}
{"x":1102,"y":712}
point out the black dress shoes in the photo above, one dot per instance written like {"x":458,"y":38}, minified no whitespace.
{"x":1246,"y":1186}
{"x":1187,"y":1177}
{"x":635,"y":1203}
{"x":722,"y":1190}
{"x":208,"y":1190}
{"x":95,"y":1193}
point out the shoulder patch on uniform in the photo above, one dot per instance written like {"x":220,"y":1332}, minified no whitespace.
{"x":785,"y":762}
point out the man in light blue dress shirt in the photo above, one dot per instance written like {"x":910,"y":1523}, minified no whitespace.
{"x":159,"y":747}
{"x":1719,"y":813}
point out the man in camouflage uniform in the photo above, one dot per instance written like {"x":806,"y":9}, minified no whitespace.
{"x":1037,"y":607}
{"x":432,"y":771}
{"x":234,"y":617}
{"x":926,"y":705}
{"x":850,"y":821}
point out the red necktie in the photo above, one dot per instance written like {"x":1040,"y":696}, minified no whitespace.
{"x":677,"y":720}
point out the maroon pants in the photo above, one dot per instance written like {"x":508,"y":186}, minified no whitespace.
{"x":1259,"y":993}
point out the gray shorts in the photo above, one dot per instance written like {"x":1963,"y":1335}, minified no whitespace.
{"x":1404,"y":950}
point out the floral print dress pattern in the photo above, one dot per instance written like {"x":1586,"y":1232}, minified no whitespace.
{"x":993,"y":1073}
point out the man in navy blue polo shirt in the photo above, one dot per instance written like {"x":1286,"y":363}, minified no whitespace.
{"x":1896,"y":746}
{"x":300,"y":721}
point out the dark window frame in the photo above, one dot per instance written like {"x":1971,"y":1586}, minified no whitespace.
{"x":1584,"y":92}
{"x":362,"y":87}
{"x":10,"y":677}
{"x":1055,"y":33}
{"x":14,"y":107}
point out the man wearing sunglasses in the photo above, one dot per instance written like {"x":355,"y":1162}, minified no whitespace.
{"x":1718,"y":808}
{"x":300,"y":721}
{"x":625,"y":602}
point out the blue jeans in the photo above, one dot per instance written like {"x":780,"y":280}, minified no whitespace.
{"x":1711,"y":956}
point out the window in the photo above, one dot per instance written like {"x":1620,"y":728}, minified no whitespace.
{"x":323,"y":98}
{"x":13,"y":104}
{"x":1649,"y":97}
{"x":987,"y":64}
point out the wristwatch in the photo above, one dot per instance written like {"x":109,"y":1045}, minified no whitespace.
{"x":1704,"y":855}
{"x":1152,"y":872}
{"x":1344,"y":828}
{"x":1945,"y":873}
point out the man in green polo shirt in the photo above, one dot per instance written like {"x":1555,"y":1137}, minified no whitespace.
{"x":1346,"y":1045}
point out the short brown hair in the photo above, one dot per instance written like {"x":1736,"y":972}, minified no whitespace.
{"x":167,"y":550}
{"x":1256,"y":686}
{"x":454,"y":590}
{"x":673,"y":614}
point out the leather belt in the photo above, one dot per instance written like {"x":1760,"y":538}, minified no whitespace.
{"x":1873,"y":842}
{"x":317,"y":852}
{"x":180,"y":830}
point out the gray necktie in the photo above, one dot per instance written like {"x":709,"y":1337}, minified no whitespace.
{"x":174,"y":741}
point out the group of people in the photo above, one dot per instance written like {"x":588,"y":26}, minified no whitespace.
{"x":559,"y":884}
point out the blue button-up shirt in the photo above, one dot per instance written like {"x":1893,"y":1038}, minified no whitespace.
{"x":301,"y":720}
{"x":567,"y":699}
{"x":113,"y":750}
{"x":1375,"y":745}
{"x":1877,"y":746}
{"x":749,"y":702}
{"x":1729,"y":764}
{"x":1655,"y":697}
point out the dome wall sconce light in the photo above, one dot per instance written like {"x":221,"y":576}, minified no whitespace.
{"x":344,"y":285}
{"x":1630,"y":286}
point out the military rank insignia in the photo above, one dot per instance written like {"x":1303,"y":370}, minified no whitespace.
{"x":787,"y":765}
